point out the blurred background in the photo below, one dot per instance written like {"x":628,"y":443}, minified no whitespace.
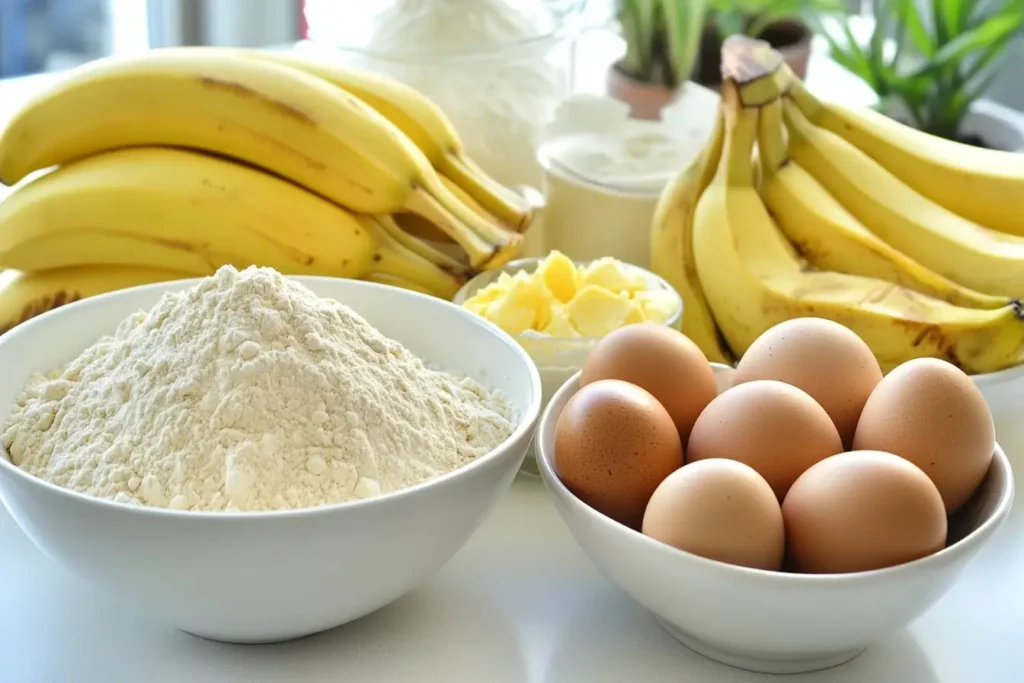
{"x":38,"y":36}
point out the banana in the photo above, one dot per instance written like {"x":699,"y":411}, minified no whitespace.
{"x":424,"y":123}
{"x":26,"y":295}
{"x":969,"y":181}
{"x":172,"y":208}
{"x":269,"y":115}
{"x":439,"y":258}
{"x":672,"y":247}
{"x":753,"y":279}
{"x":393,"y":260}
{"x":954,"y":247}
{"x":831,"y":239}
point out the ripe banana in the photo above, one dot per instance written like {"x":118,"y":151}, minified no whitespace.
{"x":828,"y":237}
{"x":969,"y":181}
{"x":172,"y":208}
{"x":269,"y":115}
{"x":424,"y":123}
{"x":753,"y":279}
{"x":26,"y":295}
{"x":672,"y":247}
{"x":976,"y":257}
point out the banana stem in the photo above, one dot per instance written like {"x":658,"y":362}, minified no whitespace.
{"x":391,"y":258}
{"x":741,"y":132}
{"x":487,"y":192}
{"x":487,"y":228}
{"x":771,"y":138}
{"x":418,"y":246}
{"x":479,"y":250}
{"x":808,"y":104}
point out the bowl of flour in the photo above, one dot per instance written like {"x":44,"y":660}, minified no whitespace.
{"x":254,"y":458}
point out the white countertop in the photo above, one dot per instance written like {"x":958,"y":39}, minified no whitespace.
{"x":519,"y":604}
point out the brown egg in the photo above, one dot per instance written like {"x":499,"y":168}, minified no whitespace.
{"x":774,"y":427}
{"x":719,"y":509}
{"x":661,"y":360}
{"x":931,"y":413}
{"x":614,"y":443}
{"x":825,"y":359}
{"x":862,"y":510}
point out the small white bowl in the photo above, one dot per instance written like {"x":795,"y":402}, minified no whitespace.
{"x":270,"y":576}
{"x":557,"y":359}
{"x":770,"y":622}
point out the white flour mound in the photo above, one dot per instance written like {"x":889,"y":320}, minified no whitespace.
{"x":249,"y":392}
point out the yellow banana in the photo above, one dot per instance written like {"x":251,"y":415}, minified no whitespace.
{"x":825,"y":233}
{"x":672,"y":247}
{"x":965,"y":252}
{"x":753,"y":279}
{"x":26,"y":295}
{"x":969,"y":181}
{"x":393,"y":260}
{"x":172,"y":208}
{"x":444,"y":261}
{"x":395,"y":281}
{"x":266,"y":114}
{"x":424,"y":123}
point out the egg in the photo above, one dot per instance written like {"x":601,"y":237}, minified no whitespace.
{"x":614,"y":443}
{"x":661,"y":360}
{"x":825,"y":359}
{"x":774,"y":427}
{"x":860,"y":511}
{"x":719,"y":509}
{"x":931,"y":413}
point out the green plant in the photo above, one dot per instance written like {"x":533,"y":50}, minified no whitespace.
{"x":933,"y":57}
{"x":752,"y":17}
{"x":662,"y":39}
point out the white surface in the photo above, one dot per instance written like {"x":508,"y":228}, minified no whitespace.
{"x":765,"y":621}
{"x":261,"y":576}
{"x":519,"y":604}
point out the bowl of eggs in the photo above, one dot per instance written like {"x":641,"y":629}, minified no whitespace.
{"x":783,"y":515}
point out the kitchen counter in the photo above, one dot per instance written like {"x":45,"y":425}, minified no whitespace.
{"x":519,"y":604}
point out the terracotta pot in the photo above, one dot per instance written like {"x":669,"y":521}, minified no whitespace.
{"x":645,"y":100}
{"x":790,"y":37}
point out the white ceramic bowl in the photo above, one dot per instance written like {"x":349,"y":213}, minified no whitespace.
{"x":770,"y":622}
{"x":269,"y":576}
{"x":558,"y":359}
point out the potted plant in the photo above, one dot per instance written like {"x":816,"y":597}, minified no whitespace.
{"x":930,"y":63}
{"x":784,"y":24}
{"x":662,"y":41}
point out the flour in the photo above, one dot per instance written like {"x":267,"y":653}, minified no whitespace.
{"x":249,"y":392}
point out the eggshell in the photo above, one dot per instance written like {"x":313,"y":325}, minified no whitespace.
{"x":719,"y":509}
{"x":862,"y":510}
{"x":931,"y":413}
{"x":774,"y":427}
{"x":614,"y":443}
{"x":825,"y":359}
{"x":661,"y":360}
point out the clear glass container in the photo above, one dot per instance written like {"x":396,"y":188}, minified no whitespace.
{"x":498,"y":68}
{"x":557,"y":359}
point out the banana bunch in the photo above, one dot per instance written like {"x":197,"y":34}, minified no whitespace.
{"x":174,"y":163}
{"x":802,"y":208}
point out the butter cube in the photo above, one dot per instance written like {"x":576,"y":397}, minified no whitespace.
{"x":658,"y":305}
{"x":559,"y":324}
{"x":613,"y":276}
{"x":595,"y":311}
{"x":558,"y":273}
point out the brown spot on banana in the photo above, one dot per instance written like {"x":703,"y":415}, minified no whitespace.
{"x":245,"y":91}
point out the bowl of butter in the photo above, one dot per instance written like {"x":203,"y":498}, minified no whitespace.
{"x":557,"y":309}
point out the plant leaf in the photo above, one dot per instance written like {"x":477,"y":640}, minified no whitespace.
{"x":992,"y":32}
{"x":684,"y":21}
{"x":907,"y":14}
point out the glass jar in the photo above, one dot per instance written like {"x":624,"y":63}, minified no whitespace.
{"x":557,"y":359}
{"x":498,"y":68}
